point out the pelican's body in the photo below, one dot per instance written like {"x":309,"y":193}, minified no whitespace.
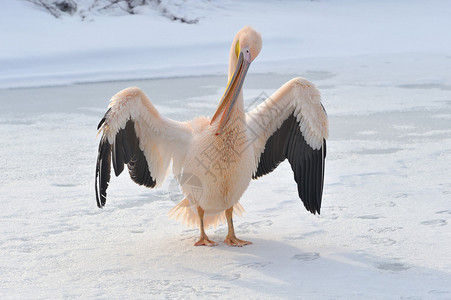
{"x":215,"y":159}
{"x":219,"y":162}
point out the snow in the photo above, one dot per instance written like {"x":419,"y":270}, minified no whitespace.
{"x":39,"y":49}
{"x":383,"y":70}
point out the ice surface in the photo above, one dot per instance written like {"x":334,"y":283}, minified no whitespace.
{"x":383,"y":232}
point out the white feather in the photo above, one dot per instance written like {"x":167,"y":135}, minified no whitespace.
{"x":161,"y":139}
{"x":297,"y":97}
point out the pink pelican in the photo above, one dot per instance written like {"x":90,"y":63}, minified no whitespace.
{"x":223,"y":153}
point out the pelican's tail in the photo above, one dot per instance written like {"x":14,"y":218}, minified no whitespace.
{"x":187,"y":213}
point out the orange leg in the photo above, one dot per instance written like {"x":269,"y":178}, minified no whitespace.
{"x":203,"y":240}
{"x":231,"y":239}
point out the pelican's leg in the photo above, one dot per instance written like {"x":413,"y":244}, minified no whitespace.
{"x":203,"y":240}
{"x":231,"y":239}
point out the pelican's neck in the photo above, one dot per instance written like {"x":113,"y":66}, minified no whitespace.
{"x":237,"y":119}
{"x":235,"y":128}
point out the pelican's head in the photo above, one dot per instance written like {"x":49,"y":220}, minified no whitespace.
{"x":248,"y":42}
{"x":245,"y":48}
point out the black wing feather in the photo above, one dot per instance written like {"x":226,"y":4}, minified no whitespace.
{"x":125,"y":150}
{"x":118,"y":155}
{"x":307,"y":164}
{"x":104,"y":118}
{"x":103,"y":170}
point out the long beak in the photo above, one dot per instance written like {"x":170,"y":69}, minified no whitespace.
{"x":231,"y":94}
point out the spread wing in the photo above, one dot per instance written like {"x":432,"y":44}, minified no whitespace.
{"x":292,"y":124}
{"x":136,"y":135}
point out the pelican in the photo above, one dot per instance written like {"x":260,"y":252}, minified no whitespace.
{"x":218,"y":156}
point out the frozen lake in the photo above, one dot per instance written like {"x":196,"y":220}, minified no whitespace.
{"x":384,"y":231}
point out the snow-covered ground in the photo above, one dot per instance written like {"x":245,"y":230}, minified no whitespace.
{"x":383,"y":68}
